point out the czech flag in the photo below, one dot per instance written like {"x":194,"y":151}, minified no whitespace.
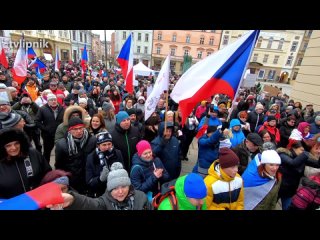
{"x":36,"y":63}
{"x":47,"y":194}
{"x":31,"y":53}
{"x":125,"y":60}
{"x":3,"y":59}
{"x":84,"y":58}
{"x":19,"y":71}
{"x":57,"y":61}
{"x":220,"y":72}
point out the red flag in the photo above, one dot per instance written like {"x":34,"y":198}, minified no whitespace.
{"x":202,"y":131}
{"x":3,"y":59}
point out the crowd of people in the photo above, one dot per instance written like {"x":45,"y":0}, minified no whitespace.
{"x":251,"y":153}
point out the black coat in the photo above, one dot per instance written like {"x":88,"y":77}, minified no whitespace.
{"x":10,"y":181}
{"x":285,"y":132}
{"x":93,"y":170}
{"x":76,"y":164}
{"x":126,"y":141}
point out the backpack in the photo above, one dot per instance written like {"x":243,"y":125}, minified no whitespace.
{"x":167,"y":190}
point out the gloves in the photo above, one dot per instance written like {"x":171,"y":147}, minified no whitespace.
{"x":104,"y":174}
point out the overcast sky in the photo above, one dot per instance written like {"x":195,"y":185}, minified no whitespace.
{"x":101,"y":32}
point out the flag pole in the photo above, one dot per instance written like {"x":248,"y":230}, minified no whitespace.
{"x":165,"y":116}
{"x":242,"y":76}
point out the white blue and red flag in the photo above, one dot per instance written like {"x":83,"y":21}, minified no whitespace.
{"x":220,"y":72}
{"x":125,"y":60}
{"x":31,"y":53}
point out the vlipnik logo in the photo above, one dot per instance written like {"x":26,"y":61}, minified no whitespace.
{"x":41,"y":43}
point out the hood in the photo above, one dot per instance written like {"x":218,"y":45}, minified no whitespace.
{"x":312,"y":182}
{"x":285,"y":151}
{"x":71,"y":109}
{"x":137,"y":160}
{"x":234,"y":122}
{"x":161,"y":127}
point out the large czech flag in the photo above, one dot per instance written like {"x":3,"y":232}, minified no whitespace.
{"x":220,"y":72}
{"x":125,"y":60}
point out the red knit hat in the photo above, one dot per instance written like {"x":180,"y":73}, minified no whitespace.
{"x":142,"y":146}
{"x":227,"y":158}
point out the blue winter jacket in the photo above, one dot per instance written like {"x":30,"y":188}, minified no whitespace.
{"x":238,"y":136}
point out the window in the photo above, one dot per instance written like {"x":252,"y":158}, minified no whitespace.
{"x":174,"y":38}
{"x":276,"y":59}
{"x":289,"y":61}
{"x":294,"y":46}
{"x":139,"y":36}
{"x":74,"y":54}
{"x":60,"y":33}
{"x":203,"y":30}
{"x":158,"y":50}
{"x":261,"y":74}
{"x":202,"y":40}
{"x":271,"y":74}
{"x":74,"y":35}
{"x":309,"y":32}
{"x":296,"y":37}
{"x":199,"y":55}
{"x":265,"y":58}
{"x":186,"y":52}
{"x":85,"y":38}
{"x":173,"y":52}
{"x":209,"y":53}
{"x":227,"y":32}
{"x":213,"y":31}
{"x":138,"y":49}
{"x":255,"y":57}
{"x":146,"y":50}
{"x":239,"y":36}
{"x":146,"y":37}
{"x":211,"y":41}
{"x":159,"y":36}
{"x":135,"y":61}
{"x":259,"y":42}
{"x":65,"y":34}
{"x":51,"y":32}
{"x":225,"y":39}
{"x":188,"y":39}
{"x":299,"y":61}
{"x":124,"y":35}
{"x":81,"y":37}
{"x":280,"y":44}
{"x":305,"y":46}
{"x":172,"y":66}
{"x":294,"y":77}
{"x":270,"y":42}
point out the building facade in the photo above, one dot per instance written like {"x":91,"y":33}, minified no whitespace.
{"x":55,"y":39}
{"x":96,"y":48}
{"x":106,"y":55}
{"x":79,"y":38}
{"x":275,"y":55}
{"x":306,"y":87}
{"x":142,"y":45}
{"x":178,"y":43}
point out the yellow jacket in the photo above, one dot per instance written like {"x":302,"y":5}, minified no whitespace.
{"x":224,"y":192}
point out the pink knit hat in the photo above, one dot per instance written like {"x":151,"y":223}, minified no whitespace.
{"x":142,"y":146}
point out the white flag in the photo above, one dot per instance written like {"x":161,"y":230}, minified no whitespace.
{"x":160,"y":85}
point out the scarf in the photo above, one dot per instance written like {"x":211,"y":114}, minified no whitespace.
{"x":72,"y":146}
{"x":127,"y":204}
{"x":105,"y":156}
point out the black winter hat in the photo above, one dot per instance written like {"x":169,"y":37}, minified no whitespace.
{"x":75,"y":121}
{"x":131,"y":111}
{"x":255,"y":139}
{"x":270,"y":118}
{"x":103,"y":137}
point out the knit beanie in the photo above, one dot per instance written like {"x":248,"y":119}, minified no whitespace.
{"x":142,"y":146}
{"x":74,"y":123}
{"x":9,"y":120}
{"x":225,"y":143}
{"x":317,"y":118}
{"x":131,"y":111}
{"x":4,"y":101}
{"x":122,"y":115}
{"x":117,"y":177}
{"x":270,"y":156}
{"x":103,"y":137}
{"x":83,"y":100}
{"x":227,"y":158}
{"x":106,"y":106}
{"x":271,"y":118}
{"x":194,"y":186}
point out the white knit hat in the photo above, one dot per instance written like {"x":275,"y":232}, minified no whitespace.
{"x":271,"y":157}
{"x":83,"y":100}
{"x":51,"y":96}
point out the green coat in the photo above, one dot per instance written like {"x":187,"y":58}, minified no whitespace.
{"x":183,"y":202}
{"x":270,"y":200}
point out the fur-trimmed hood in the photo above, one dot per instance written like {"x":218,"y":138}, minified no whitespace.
{"x":71,"y":109}
{"x":284,"y":150}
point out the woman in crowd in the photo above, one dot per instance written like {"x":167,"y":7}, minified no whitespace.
{"x":97,"y":124}
{"x":21,"y":167}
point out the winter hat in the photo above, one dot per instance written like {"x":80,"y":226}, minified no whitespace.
{"x":11,"y":89}
{"x":103,"y":137}
{"x":82,"y":91}
{"x":83,"y":100}
{"x":227,"y":158}
{"x":226,"y":143}
{"x":142,"y":146}
{"x":4,"y":101}
{"x":194,"y":186}
{"x":9,"y":120}
{"x":122,"y":115}
{"x":268,"y":146}
{"x":317,"y":118}
{"x":270,"y":156}
{"x":141,"y":98}
{"x":131,"y":111}
{"x":62,"y":180}
{"x":57,"y":175}
{"x":289,"y":107}
{"x":255,"y":139}
{"x":271,"y":118}
{"x":74,"y":123}
{"x":51,"y":96}
{"x":117,"y":177}
{"x":106,"y":106}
